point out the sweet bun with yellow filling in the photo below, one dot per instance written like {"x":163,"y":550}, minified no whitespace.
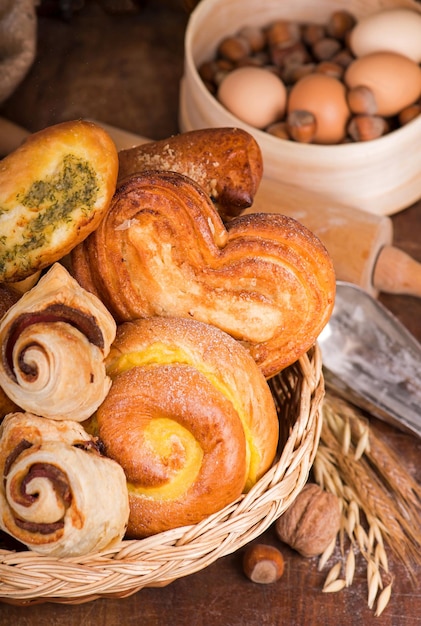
{"x":54,"y":190}
{"x":189,"y":417}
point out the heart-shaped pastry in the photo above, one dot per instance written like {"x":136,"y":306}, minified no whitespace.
{"x":162,"y":249}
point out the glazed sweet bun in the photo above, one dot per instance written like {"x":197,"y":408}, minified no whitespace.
{"x":162,"y":249}
{"x":189,"y":417}
{"x":226,"y":162}
{"x":54,"y":190}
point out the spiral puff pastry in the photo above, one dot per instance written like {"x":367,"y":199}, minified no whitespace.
{"x":58,"y":495}
{"x":53,"y":344}
{"x":189,"y":417}
{"x":162,"y":249}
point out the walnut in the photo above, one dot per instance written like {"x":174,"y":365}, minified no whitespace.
{"x":311,"y":522}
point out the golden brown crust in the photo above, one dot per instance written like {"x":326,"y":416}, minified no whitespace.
{"x":189,"y":417}
{"x":54,"y":190}
{"x":226,"y":162}
{"x":81,"y":502}
{"x":54,"y":341}
{"x":163,"y":250}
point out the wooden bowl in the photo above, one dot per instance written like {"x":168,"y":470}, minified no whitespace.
{"x":381,"y":176}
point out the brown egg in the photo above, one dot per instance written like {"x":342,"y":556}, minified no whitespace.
{"x":255,"y":95}
{"x":325,"y":97}
{"x":395,"y":80}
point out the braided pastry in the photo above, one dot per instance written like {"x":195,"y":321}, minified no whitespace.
{"x":162,"y":249}
{"x":189,"y":417}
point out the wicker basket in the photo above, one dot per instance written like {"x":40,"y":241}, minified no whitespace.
{"x":28,"y":578}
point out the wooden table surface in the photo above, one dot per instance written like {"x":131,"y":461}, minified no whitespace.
{"x":124,"y":69}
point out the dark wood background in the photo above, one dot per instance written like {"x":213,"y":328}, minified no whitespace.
{"x":124,"y":68}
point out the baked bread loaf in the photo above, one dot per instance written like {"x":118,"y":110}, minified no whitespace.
{"x":162,"y":249}
{"x":54,"y":190}
{"x":58,"y":495}
{"x":226,"y":162}
{"x":54,"y":341}
{"x":189,"y":417}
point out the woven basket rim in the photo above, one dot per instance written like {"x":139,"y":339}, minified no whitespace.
{"x":130,"y":565}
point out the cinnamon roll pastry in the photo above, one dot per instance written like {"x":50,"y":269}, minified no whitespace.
{"x":54,"y":190}
{"x":189,"y":417}
{"x":226,"y":162}
{"x":8,"y":297}
{"x":58,"y":495}
{"x":162,"y":249}
{"x":53,"y":344}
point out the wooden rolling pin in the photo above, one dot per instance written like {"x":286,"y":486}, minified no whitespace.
{"x":359,"y":243}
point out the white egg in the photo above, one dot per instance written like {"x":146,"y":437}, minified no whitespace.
{"x":393,"y":30}
{"x":255,"y":95}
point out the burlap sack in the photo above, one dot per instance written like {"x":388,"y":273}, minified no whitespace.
{"x":17,"y":43}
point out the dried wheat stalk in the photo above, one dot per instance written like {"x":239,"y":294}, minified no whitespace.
{"x":381,"y":502}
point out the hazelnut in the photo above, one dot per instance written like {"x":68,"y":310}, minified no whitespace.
{"x":326,"y":48}
{"x":253,"y":61}
{"x":340,"y":23}
{"x":301,"y":125}
{"x":278,"y":129}
{"x":409,"y":113}
{"x":330,"y":68}
{"x":292,"y":72}
{"x":343,"y":58}
{"x":234,"y":48}
{"x":224,"y":65}
{"x":311,"y":522}
{"x":312,"y":33}
{"x":367,"y":127}
{"x":207,"y":71}
{"x":283,"y":33}
{"x":263,"y":563}
{"x":255,"y":36}
{"x":296,"y":53}
{"x":361,"y":100}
